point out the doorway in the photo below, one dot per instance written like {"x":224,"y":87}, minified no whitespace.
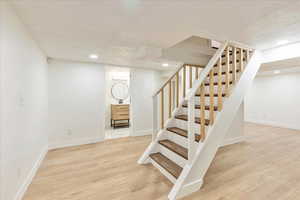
{"x":118,"y":103}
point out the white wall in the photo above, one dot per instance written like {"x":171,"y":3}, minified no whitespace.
{"x":235,"y":133}
{"x":1,"y":120}
{"x":77,"y":94}
{"x":274,"y":100}
{"x":76,"y":103}
{"x":143,"y":83}
{"x":23,"y":105}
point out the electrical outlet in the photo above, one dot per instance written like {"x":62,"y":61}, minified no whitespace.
{"x":69,"y":132}
{"x":21,"y":101}
{"x":265,"y":116}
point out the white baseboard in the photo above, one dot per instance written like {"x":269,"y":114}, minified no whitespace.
{"x":83,"y":141}
{"x":190,"y":188}
{"x":272,"y":123}
{"x":75,"y":143}
{"x":141,"y":132}
{"x":31,"y":175}
{"x":233,"y":141}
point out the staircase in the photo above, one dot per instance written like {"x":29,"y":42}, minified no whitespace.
{"x":193,"y":111}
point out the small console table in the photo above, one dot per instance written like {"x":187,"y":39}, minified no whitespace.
{"x":120,"y":115}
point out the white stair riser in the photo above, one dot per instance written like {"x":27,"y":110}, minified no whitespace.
{"x":207,"y":100}
{"x":224,"y":68}
{"x":163,"y":171}
{"x":231,"y":58}
{"x":207,"y":89}
{"x":179,"y":160}
{"x":197,"y":112}
{"x":215,"y":80}
{"x":183,"y":125}
{"x":223,"y":77}
{"x":182,"y":141}
{"x":184,"y":111}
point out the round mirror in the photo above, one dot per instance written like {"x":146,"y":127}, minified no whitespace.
{"x":120,"y":91}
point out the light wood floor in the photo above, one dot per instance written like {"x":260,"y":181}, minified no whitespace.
{"x":265,"y":167}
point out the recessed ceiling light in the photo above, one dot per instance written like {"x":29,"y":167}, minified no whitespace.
{"x":276,"y":71}
{"x":165,"y":65}
{"x":94,"y":56}
{"x":282,"y":42}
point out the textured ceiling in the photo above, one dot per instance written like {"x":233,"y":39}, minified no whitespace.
{"x":135,"y":32}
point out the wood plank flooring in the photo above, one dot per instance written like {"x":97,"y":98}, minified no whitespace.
{"x":265,"y":167}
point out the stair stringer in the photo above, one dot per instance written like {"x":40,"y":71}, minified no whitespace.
{"x":191,"y":178}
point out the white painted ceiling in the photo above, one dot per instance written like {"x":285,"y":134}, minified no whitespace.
{"x":135,"y":32}
{"x":193,"y":50}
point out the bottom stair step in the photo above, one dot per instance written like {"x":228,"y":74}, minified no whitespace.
{"x":167,"y":164}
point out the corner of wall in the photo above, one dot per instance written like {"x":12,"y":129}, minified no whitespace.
{"x":1,"y":119}
{"x":235,"y":134}
{"x":32,"y":102}
{"x":233,"y":141}
{"x":141,"y":132}
{"x":32,"y":173}
{"x":75,"y":142}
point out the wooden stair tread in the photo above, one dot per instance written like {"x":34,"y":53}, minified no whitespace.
{"x":230,"y":50}
{"x":183,"y":133}
{"x":197,"y":119}
{"x":176,"y":148}
{"x":167,"y":164}
{"x":122,"y":124}
{"x":216,"y":83}
{"x":216,"y":65}
{"x":230,"y":62}
{"x":198,"y":107}
{"x":208,"y":95}
{"x":194,"y":65}
{"x":223,"y":73}
{"x":230,"y":53}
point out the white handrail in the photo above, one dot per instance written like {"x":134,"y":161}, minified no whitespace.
{"x":169,"y":79}
{"x":206,"y":70}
